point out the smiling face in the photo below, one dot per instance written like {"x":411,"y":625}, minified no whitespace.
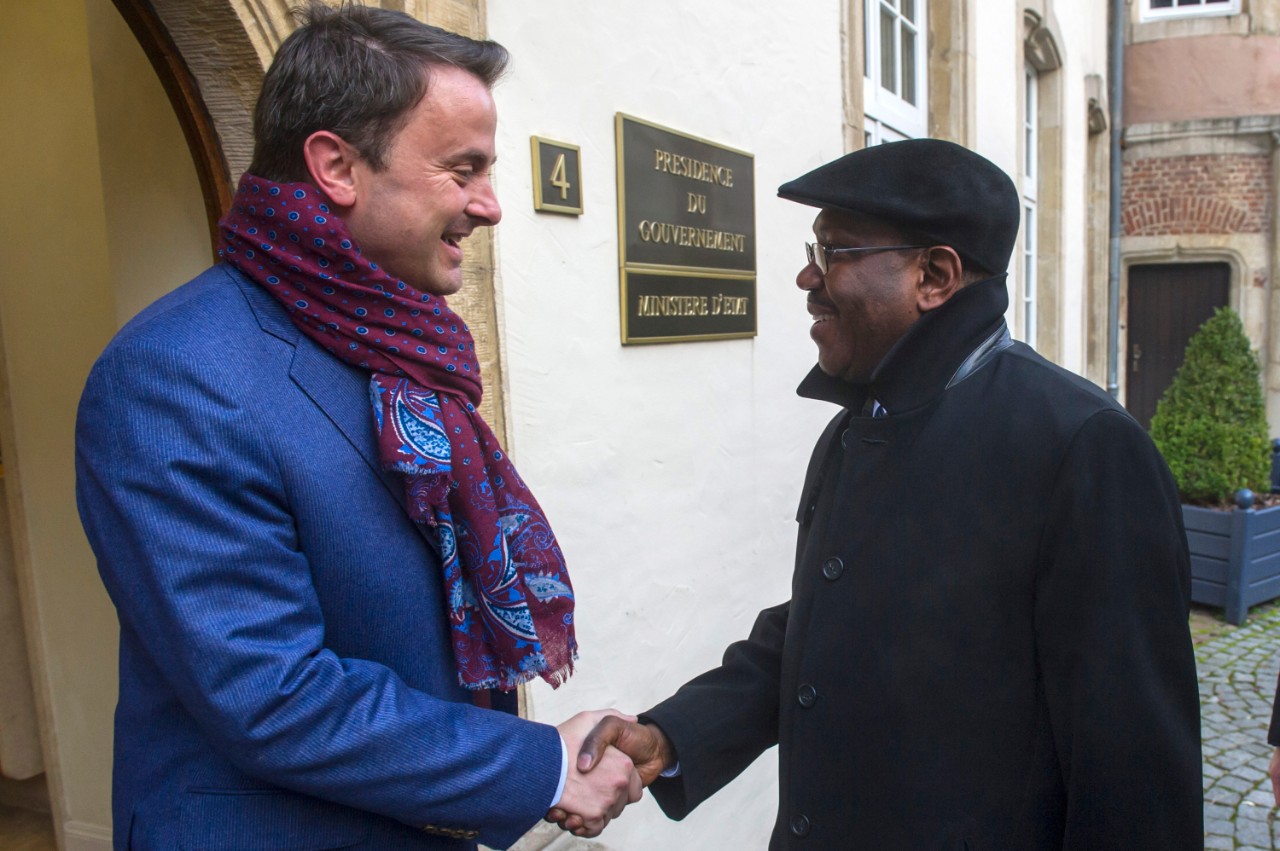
{"x":411,"y":217}
{"x":865,"y":302}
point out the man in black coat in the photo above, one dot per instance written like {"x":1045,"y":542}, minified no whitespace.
{"x":986,"y":645}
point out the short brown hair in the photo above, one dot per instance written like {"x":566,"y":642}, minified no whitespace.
{"x":356,"y":72}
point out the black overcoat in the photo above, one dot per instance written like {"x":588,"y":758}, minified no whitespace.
{"x":987,"y":643}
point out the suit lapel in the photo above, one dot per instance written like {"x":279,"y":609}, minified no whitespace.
{"x":339,"y":390}
{"x":342,"y":392}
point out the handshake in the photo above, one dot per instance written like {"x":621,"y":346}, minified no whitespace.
{"x":612,"y":758}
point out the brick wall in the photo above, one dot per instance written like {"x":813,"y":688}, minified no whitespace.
{"x":1199,"y":194}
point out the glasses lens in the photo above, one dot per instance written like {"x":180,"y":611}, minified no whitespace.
{"x":817,"y":255}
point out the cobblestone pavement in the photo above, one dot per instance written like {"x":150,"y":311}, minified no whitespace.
{"x":1237,"y":670}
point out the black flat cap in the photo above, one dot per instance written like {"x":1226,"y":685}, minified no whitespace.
{"x":937,"y":189}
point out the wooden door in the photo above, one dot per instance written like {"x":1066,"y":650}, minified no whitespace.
{"x":1168,"y":302}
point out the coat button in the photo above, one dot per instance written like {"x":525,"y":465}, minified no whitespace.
{"x":807,"y":695}
{"x":800,"y":826}
{"x":833,"y":568}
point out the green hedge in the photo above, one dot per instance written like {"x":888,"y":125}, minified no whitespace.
{"x":1211,"y":424}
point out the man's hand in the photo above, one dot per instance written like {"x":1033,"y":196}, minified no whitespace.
{"x":646,"y":745}
{"x":1273,"y":770}
{"x":592,"y":801}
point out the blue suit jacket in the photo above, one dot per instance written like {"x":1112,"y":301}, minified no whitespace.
{"x":286,"y":675}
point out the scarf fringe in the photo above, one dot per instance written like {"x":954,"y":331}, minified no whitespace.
{"x":555,"y":678}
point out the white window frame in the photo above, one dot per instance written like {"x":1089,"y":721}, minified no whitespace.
{"x":1029,"y":263}
{"x":1200,"y":10}
{"x":877,"y":132}
{"x":1030,"y":131}
{"x":888,"y":115}
{"x":1030,"y":192}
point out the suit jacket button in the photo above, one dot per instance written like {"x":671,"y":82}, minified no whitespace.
{"x":808,"y":695}
{"x":833,"y":568}
{"x":845,"y":437}
{"x":800,"y":826}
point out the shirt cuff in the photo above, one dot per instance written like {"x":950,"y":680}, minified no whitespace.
{"x":564,"y":773}
{"x":673,"y":771}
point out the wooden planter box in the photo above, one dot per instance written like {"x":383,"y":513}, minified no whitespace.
{"x":1235,"y":557}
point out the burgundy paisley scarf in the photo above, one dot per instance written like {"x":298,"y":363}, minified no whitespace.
{"x":509,"y":599}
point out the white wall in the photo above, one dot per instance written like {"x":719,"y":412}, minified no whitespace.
{"x":997,"y":30}
{"x":670,"y":472}
{"x":1083,"y":28}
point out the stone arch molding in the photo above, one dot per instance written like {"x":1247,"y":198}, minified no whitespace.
{"x":227,"y":45}
{"x":221,"y":46}
{"x":1183,"y":250}
{"x":266,"y":23}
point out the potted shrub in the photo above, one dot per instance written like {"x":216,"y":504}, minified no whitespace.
{"x":1211,"y":427}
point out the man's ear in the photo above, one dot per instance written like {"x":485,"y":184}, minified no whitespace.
{"x":331,"y":163}
{"x":943,"y":277}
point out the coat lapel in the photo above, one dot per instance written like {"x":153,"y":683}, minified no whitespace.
{"x":342,"y":392}
{"x":339,"y":390}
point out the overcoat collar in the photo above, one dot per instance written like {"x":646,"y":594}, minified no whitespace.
{"x":924,"y":359}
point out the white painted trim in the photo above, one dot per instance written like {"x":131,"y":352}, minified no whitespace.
{"x":904,"y":119}
{"x":1203,"y":10}
{"x":79,"y":836}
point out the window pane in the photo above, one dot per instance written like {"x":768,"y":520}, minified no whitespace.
{"x":1030,"y":118}
{"x":909,"y":66}
{"x":909,"y":10}
{"x":888,"y":53}
{"x":1187,"y":8}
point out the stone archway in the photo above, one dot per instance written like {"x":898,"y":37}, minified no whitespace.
{"x":211,"y":72}
{"x":211,"y":57}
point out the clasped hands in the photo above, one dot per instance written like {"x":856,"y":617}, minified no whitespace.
{"x":612,"y":758}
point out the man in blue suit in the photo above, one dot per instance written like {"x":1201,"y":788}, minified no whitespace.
{"x":329,"y":577}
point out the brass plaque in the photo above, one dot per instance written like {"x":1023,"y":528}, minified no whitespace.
{"x":686,"y":236}
{"x":557,"y":176}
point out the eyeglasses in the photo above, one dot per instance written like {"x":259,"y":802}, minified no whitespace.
{"x":820,"y":255}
